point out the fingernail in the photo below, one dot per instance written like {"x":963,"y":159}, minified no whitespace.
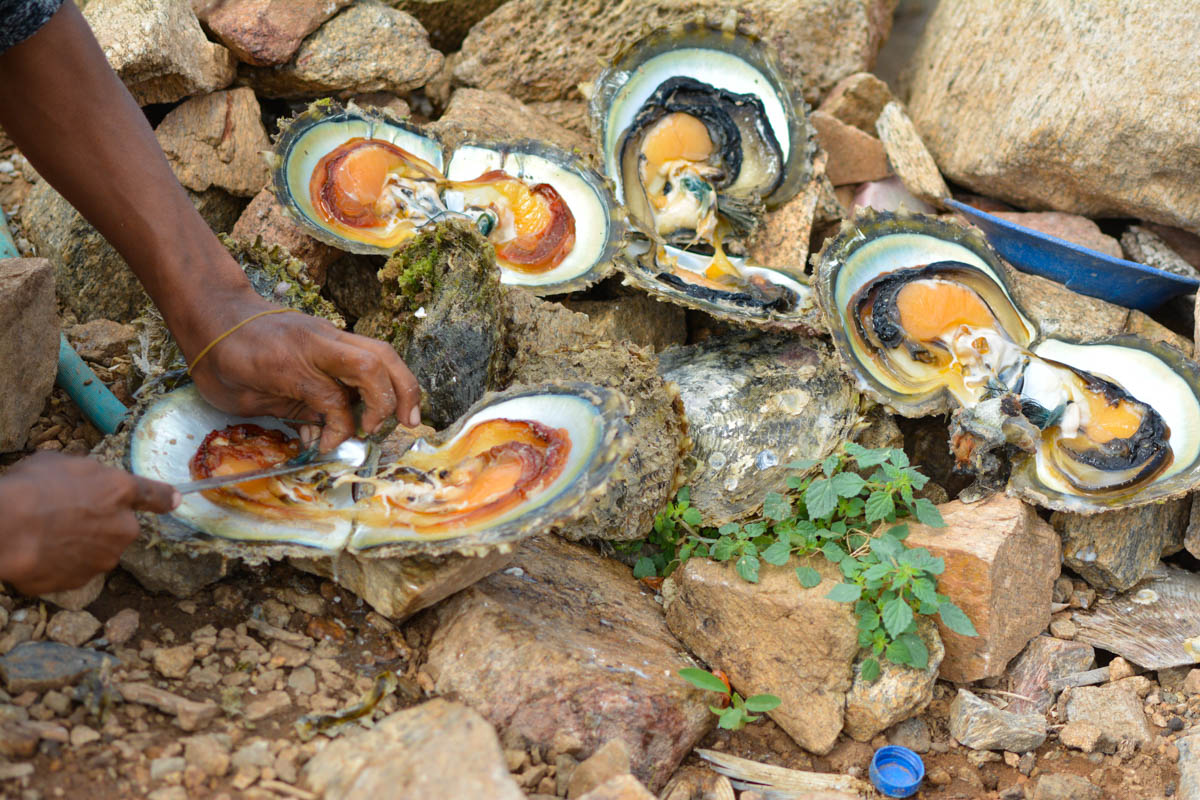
{"x":414,"y":418}
{"x":176,"y":499}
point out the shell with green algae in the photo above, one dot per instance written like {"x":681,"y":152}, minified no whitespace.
{"x":647,"y":478}
{"x":442,"y":311}
{"x":755,"y":402}
{"x":279,"y":277}
{"x":161,"y":441}
{"x":1018,"y":391}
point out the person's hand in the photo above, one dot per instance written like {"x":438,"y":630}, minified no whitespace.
{"x":68,"y":518}
{"x":299,"y":367}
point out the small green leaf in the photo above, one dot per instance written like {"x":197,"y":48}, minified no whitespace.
{"x":871,"y":458}
{"x":723,"y":549}
{"x":777,"y":506}
{"x":923,"y":590}
{"x":927,"y":513}
{"x":848,"y":484}
{"x":854,"y":449}
{"x":778,"y":553}
{"x":850,"y":567}
{"x":820,"y":498}
{"x":732,"y":719}
{"x":729,"y":528}
{"x":880,"y":506}
{"x":898,"y":532}
{"x":692,"y":517}
{"x":644,"y":568}
{"x":747,"y":568}
{"x":808,"y":576}
{"x":703,"y":679}
{"x":897,"y":652}
{"x":868,"y":621}
{"x":845,"y":593}
{"x":753,"y":529}
{"x":830,"y":464}
{"x":870,"y":670}
{"x":684,"y":495}
{"x":918,"y":653}
{"x":803,"y":464}
{"x":956,"y":620}
{"x":886,"y":546}
{"x":833,"y":552}
{"x":898,"y":457}
{"x":762,"y":702}
{"x":897,"y":616}
{"x":877,"y":572}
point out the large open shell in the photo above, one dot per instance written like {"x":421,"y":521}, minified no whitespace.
{"x":875,"y":247}
{"x":169,"y":432}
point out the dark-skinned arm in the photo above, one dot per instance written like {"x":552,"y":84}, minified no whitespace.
{"x":77,"y":124}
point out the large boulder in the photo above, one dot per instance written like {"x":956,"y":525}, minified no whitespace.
{"x":28,"y":345}
{"x":368,"y":47}
{"x":158,"y":48}
{"x":566,"y":642}
{"x":542,"y":51}
{"x":1116,"y":549}
{"x":483,"y":115}
{"x":267,"y":32}
{"x":217,"y":140}
{"x":774,"y":636}
{"x":447,"y":20}
{"x":267,"y":220}
{"x":990,"y":82}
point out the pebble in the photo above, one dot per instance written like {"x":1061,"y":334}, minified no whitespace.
{"x":257,"y":754}
{"x":57,"y":702}
{"x":911,"y":733}
{"x":82,"y":734}
{"x":267,"y":705}
{"x":209,"y":753}
{"x":160,"y":768}
{"x":72,"y":627}
{"x":174,"y":662}
{"x":303,"y":681}
{"x":121,"y":626}
{"x":1119,"y":668}
{"x":1063,"y":629}
{"x":938,"y":776}
{"x":1191,"y":684}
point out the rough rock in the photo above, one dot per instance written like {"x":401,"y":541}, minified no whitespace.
{"x":72,"y":627}
{"x":383,"y":101}
{"x":539,"y":51}
{"x":448,"y":20}
{"x":91,"y":279}
{"x":190,"y":715}
{"x":174,"y":662}
{"x":858,"y":100}
{"x":854,"y":156}
{"x":492,"y":115}
{"x":646,"y":478}
{"x":638,"y":318}
{"x":1001,"y":562}
{"x":80,"y":598}
{"x":1142,"y":324}
{"x":1044,"y":660}
{"x":804,"y":407}
{"x":1191,"y":539}
{"x":265,"y":218}
{"x":158,"y":49}
{"x":565,"y":642}
{"x":1070,"y":227}
{"x":571,"y":114}
{"x":978,"y":724}
{"x":182,"y":574}
{"x":400,"y":587}
{"x":989,"y":82}
{"x":622,"y":787}
{"x":1191,"y":682}
{"x":908,"y":156}
{"x":82,"y":735}
{"x":1116,"y":549}
{"x":28,"y":346}
{"x":1064,"y":786}
{"x":911,"y":733}
{"x":897,"y":694}
{"x":1059,"y":312}
{"x":368,"y":47}
{"x":1115,"y":709}
{"x":101,"y":339}
{"x":268,"y":32}
{"x":610,"y":761}
{"x":267,"y":705}
{"x":120,"y":627}
{"x":1185,"y":243}
{"x":1189,"y":767}
{"x":208,"y":752}
{"x":541,"y":326}
{"x":1082,"y":735}
{"x":773,"y":637}
{"x":42,"y":666}
{"x":783,"y":240}
{"x":217,"y":140}
{"x":436,"y":750}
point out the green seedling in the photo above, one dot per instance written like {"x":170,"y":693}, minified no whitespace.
{"x":734,"y":713}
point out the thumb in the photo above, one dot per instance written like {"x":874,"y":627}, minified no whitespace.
{"x":154,"y":496}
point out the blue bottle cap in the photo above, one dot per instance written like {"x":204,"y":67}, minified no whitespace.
{"x":897,"y":771}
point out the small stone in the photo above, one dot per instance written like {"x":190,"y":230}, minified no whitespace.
{"x":938,"y":776}
{"x":608,"y":762}
{"x":101,"y":339}
{"x":256,"y":754}
{"x":898,"y":692}
{"x":268,"y":32}
{"x":911,"y":733}
{"x":979,"y":725}
{"x":906,"y":153}
{"x":1119,"y":668}
{"x":1191,"y":683}
{"x":174,"y":662}
{"x":79,"y":598}
{"x":1065,"y":787}
{"x":269,"y":704}
{"x":72,"y":627}
{"x":41,"y":666}
{"x":189,"y":714}
{"x":1026,"y":763}
{"x":854,"y":156}
{"x":1063,"y":629}
{"x":82,"y":734}
{"x":160,"y":768}
{"x":621,"y":787}
{"x":1114,"y":709}
{"x":1082,"y":735}
{"x":217,"y":140}
{"x":1042,"y":661}
{"x":121,"y":626}
{"x":858,"y":100}
{"x":303,"y":681}
{"x":57,"y":702}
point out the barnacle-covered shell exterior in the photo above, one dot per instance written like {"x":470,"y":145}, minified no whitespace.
{"x":170,"y":430}
{"x":924,"y":320}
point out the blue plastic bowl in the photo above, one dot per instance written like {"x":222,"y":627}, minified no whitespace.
{"x":1080,"y":269}
{"x":897,"y":771}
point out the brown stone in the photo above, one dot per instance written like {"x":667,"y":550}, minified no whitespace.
{"x":1116,"y":549}
{"x":1085,"y":736}
{"x":448,"y":20}
{"x":1145,"y":326}
{"x":384,"y":101}
{"x":72,"y":627}
{"x":217,"y":140}
{"x":539,"y":51}
{"x":854,"y":156}
{"x":120,"y":627}
{"x":909,"y":158}
{"x":989,"y":83}
{"x":268,"y":32}
{"x":571,"y":114}
{"x":566,"y":642}
{"x":78,"y":599}
{"x":772,"y":637}
{"x":622,"y":787}
{"x":1069,"y":227}
{"x":858,"y":100}
{"x":1185,"y":243}
{"x":1115,"y":710}
{"x":158,"y":49}
{"x":101,"y":339}
{"x":610,"y":761}
{"x":1144,"y":246}
{"x":978,"y":724}
{"x":1059,"y":312}
{"x":368,"y":47}
{"x":491,"y":115}
{"x":174,"y":662}
{"x":1044,"y":660}
{"x":1001,"y":562}
{"x":265,"y":218}
{"x":400,"y":587}
{"x":899,"y":693}
{"x":638,"y":318}
{"x":28,"y":346}
{"x":542,"y":326}
{"x":435,"y":751}
{"x":783,"y":240}
{"x":190,"y":715}
{"x":1191,"y":538}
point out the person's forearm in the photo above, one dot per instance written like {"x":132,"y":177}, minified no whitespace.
{"x":77,"y":124}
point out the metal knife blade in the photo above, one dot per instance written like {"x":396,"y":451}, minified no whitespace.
{"x":351,"y":452}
